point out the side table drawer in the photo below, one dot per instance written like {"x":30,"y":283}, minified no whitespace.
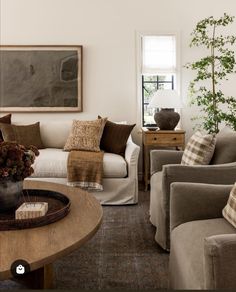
{"x":164,"y":139}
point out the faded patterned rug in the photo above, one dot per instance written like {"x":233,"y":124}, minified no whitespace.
{"x":123,"y":254}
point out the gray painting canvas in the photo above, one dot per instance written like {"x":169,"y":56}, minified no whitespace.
{"x":39,"y":78}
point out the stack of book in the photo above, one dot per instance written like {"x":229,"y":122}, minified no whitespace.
{"x":31,"y":210}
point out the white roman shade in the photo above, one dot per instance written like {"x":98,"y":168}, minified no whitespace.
{"x":159,"y":54}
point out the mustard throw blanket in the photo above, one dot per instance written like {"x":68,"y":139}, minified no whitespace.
{"x":85,"y":169}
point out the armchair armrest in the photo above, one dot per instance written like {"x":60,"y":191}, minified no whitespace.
{"x":161,"y":157}
{"x":195,"y":201}
{"x":131,"y":156}
{"x":220,"y":261}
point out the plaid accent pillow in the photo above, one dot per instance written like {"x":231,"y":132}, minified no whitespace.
{"x":229,"y":211}
{"x":199,"y":149}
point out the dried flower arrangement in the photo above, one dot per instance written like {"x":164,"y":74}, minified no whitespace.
{"x":16,"y":161}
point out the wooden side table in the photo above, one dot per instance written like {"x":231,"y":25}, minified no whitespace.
{"x":159,"y":138}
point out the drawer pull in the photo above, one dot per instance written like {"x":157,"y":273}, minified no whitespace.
{"x":155,"y":138}
{"x":174,"y":138}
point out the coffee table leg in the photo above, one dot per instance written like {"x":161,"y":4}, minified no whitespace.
{"x":39,"y":279}
{"x":44,"y":277}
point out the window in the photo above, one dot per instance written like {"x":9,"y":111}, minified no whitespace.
{"x":158,"y":70}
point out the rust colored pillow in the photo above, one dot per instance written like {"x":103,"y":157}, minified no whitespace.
{"x":114,"y":137}
{"x":23,"y":134}
{"x":5,"y":120}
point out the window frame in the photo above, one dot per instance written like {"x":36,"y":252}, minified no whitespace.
{"x":177,"y":81}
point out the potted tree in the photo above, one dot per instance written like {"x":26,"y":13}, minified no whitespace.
{"x":211,"y":70}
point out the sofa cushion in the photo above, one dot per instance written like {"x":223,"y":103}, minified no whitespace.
{"x":23,"y":134}
{"x":85,"y":135}
{"x":187,"y":250}
{"x":199,"y":150}
{"x":54,"y":134}
{"x":5,"y":120}
{"x":52,"y":162}
{"x":225,"y":150}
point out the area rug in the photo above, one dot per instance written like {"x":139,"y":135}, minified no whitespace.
{"x":123,"y":254}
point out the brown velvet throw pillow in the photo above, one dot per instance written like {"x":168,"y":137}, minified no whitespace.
{"x":23,"y":134}
{"x":5,"y":120}
{"x":114,"y":137}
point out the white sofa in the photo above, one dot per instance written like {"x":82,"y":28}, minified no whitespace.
{"x":120,"y":174}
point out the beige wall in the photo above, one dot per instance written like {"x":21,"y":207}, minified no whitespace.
{"x":107,"y":29}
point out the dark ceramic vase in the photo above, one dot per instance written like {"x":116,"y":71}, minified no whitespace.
{"x":166,"y":119}
{"x":10,"y":194}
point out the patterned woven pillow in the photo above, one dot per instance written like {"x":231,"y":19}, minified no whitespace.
{"x":229,"y":211}
{"x":85,"y":135}
{"x":199,"y":149}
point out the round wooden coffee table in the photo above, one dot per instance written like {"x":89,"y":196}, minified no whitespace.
{"x":41,"y":246}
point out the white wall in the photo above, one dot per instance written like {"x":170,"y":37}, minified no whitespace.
{"x":107,"y":30}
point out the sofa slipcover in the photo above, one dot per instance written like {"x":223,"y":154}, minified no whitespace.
{"x":120,"y":182}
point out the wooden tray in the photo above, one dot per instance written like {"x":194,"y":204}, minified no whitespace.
{"x":58,"y":207}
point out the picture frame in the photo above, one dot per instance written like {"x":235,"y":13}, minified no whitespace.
{"x":41,"y":78}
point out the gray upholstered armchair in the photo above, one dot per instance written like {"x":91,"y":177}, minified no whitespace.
{"x":203,"y":243}
{"x":166,"y":169}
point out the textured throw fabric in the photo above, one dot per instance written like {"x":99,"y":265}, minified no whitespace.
{"x":5,"y":120}
{"x":85,"y":135}
{"x":23,"y":134}
{"x":229,"y":211}
{"x":114,"y":137}
{"x":85,"y":169}
{"x":199,"y":149}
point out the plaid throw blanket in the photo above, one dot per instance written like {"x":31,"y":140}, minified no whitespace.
{"x":85,"y":169}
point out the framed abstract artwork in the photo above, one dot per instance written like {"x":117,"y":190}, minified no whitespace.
{"x":41,"y":78}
